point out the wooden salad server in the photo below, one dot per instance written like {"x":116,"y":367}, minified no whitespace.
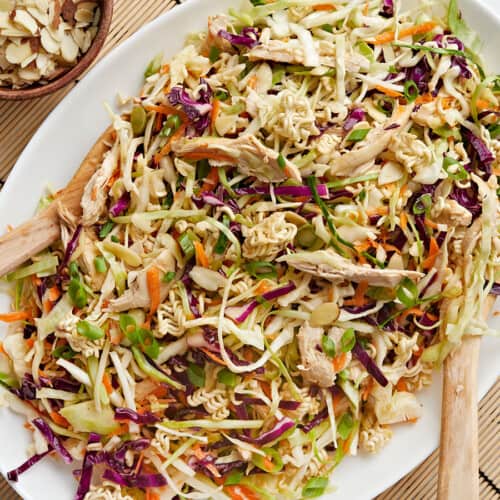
{"x":459,"y":457}
{"x":38,"y":233}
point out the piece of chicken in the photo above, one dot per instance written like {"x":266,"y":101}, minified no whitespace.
{"x":377,"y":141}
{"x":316,"y":368}
{"x":333,"y":267}
{"x":251,"y":156}
{"x":215,"y":24}
{"x":137,"y":295}
{"x":451,"y":213}
{"x":95,"y":193}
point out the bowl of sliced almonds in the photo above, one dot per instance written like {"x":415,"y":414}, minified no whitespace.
{"x":46,"y":44}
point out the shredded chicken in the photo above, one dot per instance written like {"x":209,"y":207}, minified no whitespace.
{"x":375,"y":143}
{"x":451,"y":213}
{"x":252,"y":156}
{"x":215,"y":24}
{"x":96,"y":191}
{"x":316,"y":367}
{"x":333,"y":267}
{"x":137,"y":295}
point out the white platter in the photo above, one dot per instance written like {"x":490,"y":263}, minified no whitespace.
{"x":55,"y":153}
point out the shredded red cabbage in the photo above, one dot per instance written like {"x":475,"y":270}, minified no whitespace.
{"x":121,"y":205}
{"x":135,"y":480}
{"x":278,"y":430}
{"x":52,"y":439}
{"x":14,"y":474}
{"x":468,"y":198}
{"x":207,"y":199}
{"x":355,"y":116}
{"x":421,"y":74}
{"x":322,"y":415}
{"x":484,"y":156}
{"x":271,"y":295}
{"x":249,"y":37}
{"x":70,"y":249}
{"x":284,"y":404}
{"x":135,"y":445}
{"x":87,"y":468}
{"x":387,"y":8}
{"x":369,"y":364}
{"x":146,"y":418}
{"x":495,"y":289}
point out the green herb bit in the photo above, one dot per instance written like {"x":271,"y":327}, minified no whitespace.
{"x":407,"y":293}
{"x":358,"y":134}
{"x":115,"y":239}
{"x":423,"y":204}
{"x":306,"y":236}
{"x":89,"y":330}
{"x":214,"y":54}
{"x":261,"y":269}
{"x":77,"y":293}
{"x":187,"y":246}
{"x":227,"y":377}
{"x":328,"y":346}
{"x":454,"y":169}
{"x":234,"y":477}
{"x":168,"y":277}
{"x":138,"y":119}
{"x":196,"y":374}
{"x":348,"y":340}
{"x":154,"y":66}
{"x":315,"y":487}
{"x":106,"y":229}
{"x":172,"y":123}
{"x":327,"y":27}
{"x":281,"y":161}
{"x":221,"y":95}
{"x":63,"y":351}
{"x":410,"y":90}
{"x":100,"y":264}
{"x":345,"y":426}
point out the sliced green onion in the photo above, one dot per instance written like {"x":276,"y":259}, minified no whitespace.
{"x":348,"y":340}
{"x":358,"y":134}
{"x":315,"y":487}
{"x":435,"y":50}
{"x":221,"y":244}
{"x":410,"y":90}
{"x":106,"y":229}
{"x":168,"y":277}
{"x":202,"y":169}
{"x":366,"y":51}
{"x":281,"y":161}
{"x":89,"y":330}
{"x":407,"y":293}
{"x":423,"y":204}
{"x":186,"y":244}
{"x":115,"y":239}
{"x":445,"y":132}
{"x":8,"y":380}
{"x":196,"y":374}
{"x":306,"y":236}
{"x":352,"y":180}
{"x":221,"y":95}
{"x":494,"y":130}
{"x":154,"y":66}
{"x":345,"y":426}
{"x":234,"y":477}
{"x":328,"y":346}
{"x":454,"y":169}
{"x":261,"y":269}
{"x":77,"y":293}
{"x":272,"y":456}
{"x":278,"y":74}
{"x":172,"y":123}
{"x":138,"y":119}
{"x":214,"y":54}
{"x":153,"y":372}
{"x":227,"y":377}
{"x":327,"y":27}
{"x":100,"y":264}
{"x":63,"y":351}
{"x":223,"y":180}
{"x":374,"y":260}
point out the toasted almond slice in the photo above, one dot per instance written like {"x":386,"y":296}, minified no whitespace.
{"x":5,"y":20}
{"x":29,"y":74}
{"x":69,"y":48}
{"x":79,"y":37}
{"x":15,"y":54}
{"x":48,"y":43}
{"x":13,"y":32}
{"x":84,"y":16}
{"x":24,"y":20}
{"x":41,"y":16}
{"x":28,"y":60}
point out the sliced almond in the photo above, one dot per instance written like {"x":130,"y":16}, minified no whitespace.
{"x":42,"y":16}
{"x":42,"y":5}
{"x":7,"y":5}
{"x":24,"y":20}
{"x":69,"y":48}
{"x":48,"y":42}
{"x":16,"y":54}
{"x":13,"y":32}
{"x":28,"y":60}
{"x":84,"y":15}
{"x":79,"y":37}
{"x":29,"y":74}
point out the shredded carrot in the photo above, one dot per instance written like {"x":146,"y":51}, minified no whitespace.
{"x":2,"y":350}
{"x":208,"y":155}
{"x":431,"y":316}
{"x":496,"y":171}
{"x":263,"y":287}
{"x":213,"y":356}
{"x":324,"y":6}
{"x":139,"y":462}
{"x":158,"y":123}
{"x":403,"y":220}
{"x":268,"y":463}
{"x":248,"y":355}
{"x":424,"y":98}
{"x":414,"y":311}
{"x":365,"y":8}
{"x":59,"y":419}
{"x":30,"y":342}
{"x":211,"y":180}
{"x":331,"y":293}
{"x":363,"y":247}
{"x":433,"y":253}
{"x":266,"y":388}
{"x":378,"y":211}
{"x":359,"y":298}
{"x":54,"y":293}
{"x":389,"y":92}
{"x":401,"y":385}
{"x":430,"y":223}
{"x":483,"y":104}
{"x":345,"y":446}
{"x":390,"y":248}
{"x":389,"y":36}
{"x":168,"y":146}
{"x":166,"y":109}
{"x":15,"y":316}
{"x":214,"y":113}
{"x":201,"y":256}
{"x":154,"y":286}
{"x":367,"y":389}
{"x":120,"y":431}
{"x":151,"y":495}
{"x":106,"y":382}
{"x":446,"y":102}
{"x":252,"y":81}
{"x":165,"y":69}
{"x":240,"y":492}
{"x":339,"y":362}
{"x":337,"y":399}
{"x":412,"y":420}
{"x":362,"y":259}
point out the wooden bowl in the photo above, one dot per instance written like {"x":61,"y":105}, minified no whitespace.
{"x":37,"y":90}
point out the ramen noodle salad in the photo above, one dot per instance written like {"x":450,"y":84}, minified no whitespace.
{"x":295,"y":221}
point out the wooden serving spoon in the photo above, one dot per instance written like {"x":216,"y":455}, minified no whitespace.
{"x":459,"y":457}
{"x":33,"y":236}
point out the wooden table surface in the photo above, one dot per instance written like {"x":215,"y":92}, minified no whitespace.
{"x":19,"y":122}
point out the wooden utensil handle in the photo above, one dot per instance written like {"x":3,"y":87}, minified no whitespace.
{"x":27,"y":240}
{"x":459,"y":463}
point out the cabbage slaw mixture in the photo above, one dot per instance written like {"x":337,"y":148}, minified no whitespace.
{"x":295,"y":221}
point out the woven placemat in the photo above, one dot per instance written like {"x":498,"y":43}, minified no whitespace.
{"x":21,"y":119}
